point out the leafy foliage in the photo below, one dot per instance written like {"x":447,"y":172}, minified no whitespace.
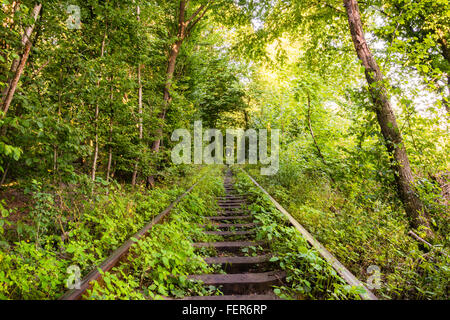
{"x":308,"y":275}
{"x":89,"y":232}
{"x":158,"y":265}
{"x":90,"y":102}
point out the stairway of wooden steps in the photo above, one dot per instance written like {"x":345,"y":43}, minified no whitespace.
{"x":246,"y":277}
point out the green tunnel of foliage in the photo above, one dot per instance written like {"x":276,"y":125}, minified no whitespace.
{"x":287,"y":64}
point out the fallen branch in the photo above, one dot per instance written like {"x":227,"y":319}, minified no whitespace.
{"x":418,"y":238}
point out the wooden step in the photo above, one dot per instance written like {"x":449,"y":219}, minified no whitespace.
{"x":229,"y":246}
{"x":232,"y":212}
{"x":231,"y":203}
{"x":236,"y":197}
{"x":238,"y":260}
{"x":234,"y":204}
{"x":220,"y":218}
{"x":238,"y":283}
{"x":260,"y":297}
{"x":235,"y":225}
{"x":230,"y":233}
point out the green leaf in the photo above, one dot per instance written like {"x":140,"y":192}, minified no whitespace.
{"x":165,"y":262}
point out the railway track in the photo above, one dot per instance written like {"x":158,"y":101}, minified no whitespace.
{"x":244,"y":268}
{"x":247,"y":277}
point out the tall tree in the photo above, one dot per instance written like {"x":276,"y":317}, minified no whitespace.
{"x":140,"y":105}
{"x":18,"y":65}
{"x":185,"y":26}
{"x":97,"y":113}
{"x":386,"y":119}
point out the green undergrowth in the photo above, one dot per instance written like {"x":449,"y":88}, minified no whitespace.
{"x":308,"y":275}
{"x":158,"y":265}
{"x":77,"y":227}
{"x":364,"y":232}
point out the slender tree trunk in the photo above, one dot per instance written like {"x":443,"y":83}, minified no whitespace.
{"x":111,"y":128}
{"x":55,"y":146}
{"x":15,"y":80}
{"x":97,"y":113}
{"x":140,"y":111}
{"x":387,"y":121}
{"x":18,"y":67}
{"x":246,"y":119}
{"x":140,"y":124}
{"x":110,"y":151}
{"x":26,"y":42}
{"x":55,"y":158}
{"x":94,"y":162}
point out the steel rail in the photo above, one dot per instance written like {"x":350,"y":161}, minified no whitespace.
{"x":111,"y":261}
{"x":339,"y":267}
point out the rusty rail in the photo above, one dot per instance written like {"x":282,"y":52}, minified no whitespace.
{"x":111,"y":261}
{"x":339,"y":267}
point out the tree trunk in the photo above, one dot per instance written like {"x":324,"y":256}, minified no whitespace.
{"x":167,"y":98}
{"x":185,"y":26}
{"x":141,"y":128}
{"x":18,"y":67}
{"x":387,"y":121}
{"x":108,"y":170}
{"x":140,"y":111}
{"x":26,"y":41}
{"x":174,"y":51}
{"x":97,"y":113}
{"x":111,"y":128}
{"x":94,"y":162}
